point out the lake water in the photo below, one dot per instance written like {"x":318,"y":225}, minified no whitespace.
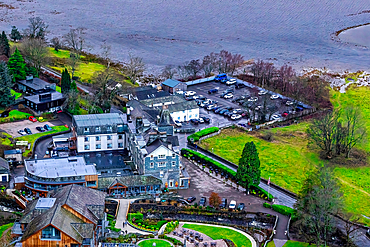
{"x":165,"y":32}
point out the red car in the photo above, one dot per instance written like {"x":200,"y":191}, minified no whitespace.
{"x":32,"y":119}
{"x":285,"y":114}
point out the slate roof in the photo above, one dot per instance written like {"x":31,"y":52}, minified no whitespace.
{"x":36,"y":98}
{"x":171,"y":83}
{"x":13,"y":151}
{"x":148,"y":92}
{"x":186,"y":105}
{"x":129,"y":181}
{"x":87,"y":202}
{"x":173,"y":99}
{"x":36,"y":84}
{"x":173,"y":140}
{"x":4,"y":166}
{"x":143,"y":111}
{"x":97,"y":119}
{"x":86,"y":230}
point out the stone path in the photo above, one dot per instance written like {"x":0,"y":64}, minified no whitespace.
{"x":279,"y":242}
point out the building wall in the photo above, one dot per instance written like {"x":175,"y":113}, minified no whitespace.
{"x":35,"y":240}
{"x":167,"y":169}
{"x":45,"y":107}
{"x":4,"y":177}
{"x":185,"y":115}
{"x":92,"y":178}
{"x":92,"y":142}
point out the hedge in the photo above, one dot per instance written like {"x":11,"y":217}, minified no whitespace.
{"x":137,"y":216}
{"x":266,"y":205}
{"x":285,"y":210}
{"x":202,"y":133}
{"x":171,"y":226}
{"x":172,"y":240}
{"x":261,"y":193}
{"x":189,"y":153}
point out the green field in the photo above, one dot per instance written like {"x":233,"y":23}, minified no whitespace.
{"x":291,"y":243}
{"x":221,"y":233}
{"x":15,"y":115}
{"x":287,"y":159}
{"x":158,"y":242}
{"x":3,"y":228}
{"x":32,"y":138}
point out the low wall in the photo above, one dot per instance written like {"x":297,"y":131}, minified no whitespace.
{"x":45,"y":137}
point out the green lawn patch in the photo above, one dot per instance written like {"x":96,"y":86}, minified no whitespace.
{"x":32,"y":138}
{"x":271,"y":244}
{"x":15,"y":115}
{"x":14,"y":93}
{"x":221,"y":233}
{"x":3,"y":228}
{"x":158,"y":242}
{"x":291,"y":243}
{"x":58,"y":89}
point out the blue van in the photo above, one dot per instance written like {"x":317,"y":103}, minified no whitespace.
{"x":221,"y":78}
{"x":214,"y":90}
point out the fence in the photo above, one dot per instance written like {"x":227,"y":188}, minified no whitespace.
{"x":190,"y":83}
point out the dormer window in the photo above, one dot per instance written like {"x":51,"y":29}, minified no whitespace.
{"x":97,"y":129}
{"x":109,"y":129}
{"x":86,"y":130}
{"x":161,"y":156}
{"x":50,"y":233}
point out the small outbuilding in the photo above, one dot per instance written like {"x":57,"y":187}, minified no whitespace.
{"x":4,"y":171}
{"x":171,"y":85}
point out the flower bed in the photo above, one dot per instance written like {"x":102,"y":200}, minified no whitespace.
{"x":197,"y":135}
{"x":171,"y":226}
{"x":138,"y":221}
{"x":172,"y":240}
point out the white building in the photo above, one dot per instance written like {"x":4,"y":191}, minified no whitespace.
{"x":99,"y":132}
{"x":4,"y":171}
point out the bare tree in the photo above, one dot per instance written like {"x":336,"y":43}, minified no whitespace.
{"x":35,"y":52}
{"x":228,"y":63}
{"x":103,"y":96}
{"x":106,"y":53}
{"x":75,"y":39}
{"x":193,"y":68}
{"x":355,"y":128}
{"x":236,"y":62}
{"x":169,"y":71}
{"x":350,"y":228}
{"x":36,"y":28}
{"x":209,"y":64}
{"x":55,"y":42}
{"x":182,"y":72}
{"x":134,"y":68}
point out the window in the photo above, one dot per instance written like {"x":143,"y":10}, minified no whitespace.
{"x":161,"y":174}
{"x":151,"y":157}
{"x":189,"y":110}
{"x":151,"y":165}
{"x":171,"y":183}
{"x":86,"y":139}
{"x":161,"y":164}
{"x":161,"y":156}
{"x":109,"y":128}
{"x":120,"y":145}
{"x":183,"y":111}
{"x":119,"y":137}
{"x":190,"y":116}
{"x":91,"y":183}
{"x":109,"y":145}
{"x":196,"y":115}
{"x":120,"y":128}
{"x":98,"y":138}
{"x":98,"y":146}
{"x":173,"y":155}
{"x":87,"y":130}
{"x":97,"y":129}
{"x":173,"y":163}
{"x":109,"y":137}
{"x":178,"y":118}
{"x":87,"y":147}
{"x":182,"y":182}
{"x":50,"y":233}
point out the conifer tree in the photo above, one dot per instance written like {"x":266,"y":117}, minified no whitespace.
{"x":65,"y":81}
{"x":15,"y":34}
{"x":249,"y":171}
{"x":17,"y":66}
{"x":6,"y":97}
{"x":4,"y":45}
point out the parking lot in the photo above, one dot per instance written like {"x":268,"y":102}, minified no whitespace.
{"x":274,"y":108}
{"x":13,"y":127}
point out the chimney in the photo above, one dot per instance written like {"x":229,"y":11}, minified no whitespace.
{"x":152,"y":137}
{"x":29,"y":78}
{"x":163,"y":136}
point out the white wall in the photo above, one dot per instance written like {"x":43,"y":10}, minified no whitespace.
{"x":2,"y":175}
{"x":103,"y":142}
{"x":185,"y":115}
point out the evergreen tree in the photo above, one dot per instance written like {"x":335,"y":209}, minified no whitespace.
{"x":4,"y":45}
{"x":17,"y":66}
{"x":6,"y":97}
{"x":15,"y":34}
{"x":249,"y":171}
{"x":65,"y":81}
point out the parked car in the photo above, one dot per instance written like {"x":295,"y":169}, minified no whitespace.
{"x":211,"y":91}
{"x":210,"y":107}
{"x":239,"y":85}
{"x":47,"y":127}
{"x":216,"y":108}
{"x":285,"y":114}
{"x":228,"y":96}
{"x":289,"y":103}
{"x":253,"y":99}
{"x":274,"y":96}
{"x":226,"y":112}
{"x":22,"y":132}
{"x":194,"y":121}
{"x":236,"y":117}
{"x":201,"y":120}
{"x":262,"y":92}
{"x":190,"y":93}
{"x":191,"y":199}
{"x":32,"y":119}
{"x":201,"y":97}
{"x":258,"y":107}
{"x":241,"y":206}
{"x":206,"y":119}
{"x":41,"y":129}
{"x":245,"y":114}
{"x":178,"y":123}
{"x":28,"y":131}
{"x":231,"y":82}
{"x":223,"y":111}
{"x":223,"y":203}
{"x":298,"y":108}
{"x":238,"y":111}
{"x":229,"y":114}
{"x":202,"y":201}
{"x":275,"y":117}
{"x":5,"y":114}
{"x":232,"y":205}
{"x":220,"y":77}
{"x":229,"y":90}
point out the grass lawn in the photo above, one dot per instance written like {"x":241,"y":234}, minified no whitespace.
{"x":3,"y":228}
{"x":158,"y":242}
{"x":221,"y":233}
{"x":32,"y":138}
{"x":15,"y":115}
{"x":58,"y":89}
{"x":6,"y":140}
{"x":291,"y":243}
{"x":14,"y":93}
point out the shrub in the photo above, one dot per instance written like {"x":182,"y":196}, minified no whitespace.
{"x":256,"y":190}
{"x":202,"y":133}
{"x":172,"y":240}
{"x":267,"y":205}
{"x":285,"y":210}
{"x":171,"y":226}
{"x":137,"y":216}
